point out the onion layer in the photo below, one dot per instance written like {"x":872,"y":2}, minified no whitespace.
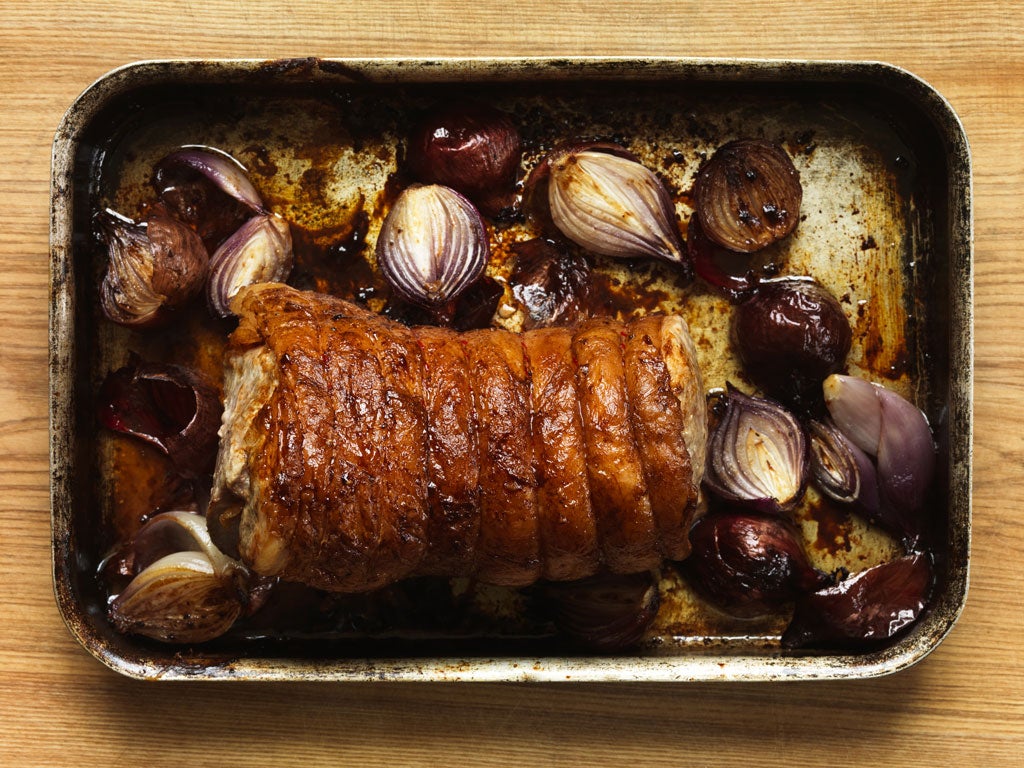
{"x":432,"y":246}
{"x":864,"y":609}
{"x":168,"y":406}
{"x":757,"y":452}
{"x":259,"y":252}
{"x":748,"y":195}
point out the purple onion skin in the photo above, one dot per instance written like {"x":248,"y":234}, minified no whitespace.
{"x":535,"y":187}
{"x":864,"y":610}
{"x":168,"y":406}
{"x":607,"y":612}
{"x":790,"y":335}
{"x":902,"y":521}
{"x":861,"y":487}
{"x":748,"y":564}
{"x":896,"y":432}
{"x":182,"y":180}
{"x":709,"y":261}
{"x":472,"y":148}
{"x":906,"y":454}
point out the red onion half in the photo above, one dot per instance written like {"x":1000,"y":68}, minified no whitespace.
{"x":432,"y":246}
{"x":896,"y":432}
{"x":790,"y":335}
{"x":840,"y":469}
{"x":470,"y":147}
{"x":757,"y":452}
{"x":259,"y":252}
{"x":168,"y":406}
{"x":604,"y":200}
{"x":153,"y":266}
{"x":183,"y":589}
{"x":865,"y":609}
{"x":748,"y":195}
{"x":749,"y":564}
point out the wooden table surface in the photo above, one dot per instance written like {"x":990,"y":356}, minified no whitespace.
{"x":962,"y":706}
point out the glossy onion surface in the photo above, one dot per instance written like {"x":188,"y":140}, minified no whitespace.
{"x":866,"y":608}
{"x":748,"y":195}
{"x":552,"y":284}
{"x":749,"y":564}
{"x":790,"y":335}
{"x":470,"y":147}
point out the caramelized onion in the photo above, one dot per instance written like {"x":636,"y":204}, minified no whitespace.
{"x":552,"y":284}
{"x":259,"y":252}
{"x":605,"y":612}
{"x":470,"y":147}
{"x":183,"y":589}
{"x":168,"y":406}
{"x":218,"y":167}
{"x":757,"y":452}
{"x":432,"y":246}
{"x":207,"y":189}
{"x":749,"y":564}
{"x":603,"y":199}
{"x":790,"y":335}
{"x":153,"y":266}
{"x":864,"y":609}
{"x":833,"y":466}
{"x":748,"y":195}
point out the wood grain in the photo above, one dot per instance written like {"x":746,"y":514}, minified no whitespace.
{"x":964,"y":705}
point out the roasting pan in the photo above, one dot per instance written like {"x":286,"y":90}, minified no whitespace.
{"x":887,"y":226}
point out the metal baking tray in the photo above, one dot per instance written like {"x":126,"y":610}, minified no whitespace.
{"x":887,"y":226}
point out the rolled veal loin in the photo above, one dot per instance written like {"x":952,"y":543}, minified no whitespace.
{"x":356,"y":451}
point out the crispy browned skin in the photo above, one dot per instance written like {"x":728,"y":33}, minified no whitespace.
{"x":317,"y":471}
{"x":658,"y":426}
{"x":508,"y":550}
{"x":568,"y":532}
{"x":396,"y":451}
{"x":618,"y":492}
{"x":381,"y":452}
{"x":453,"y":454}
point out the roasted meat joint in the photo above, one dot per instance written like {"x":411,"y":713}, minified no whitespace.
{"x":356,"y":451}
